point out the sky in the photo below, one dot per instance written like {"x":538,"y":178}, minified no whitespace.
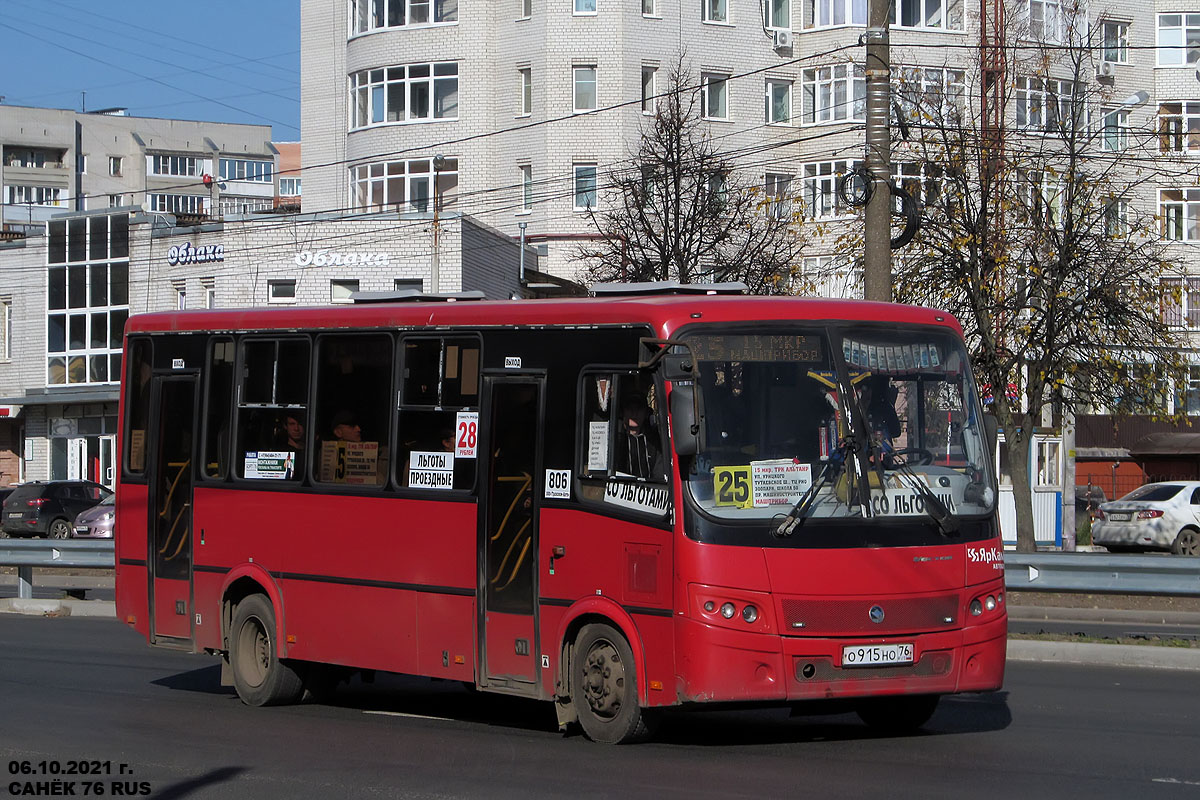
{"x":218,"y":61}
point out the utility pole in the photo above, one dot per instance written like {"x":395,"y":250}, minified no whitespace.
{"x":877,"y":273}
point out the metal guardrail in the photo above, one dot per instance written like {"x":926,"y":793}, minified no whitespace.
{"x":25,"y":554}
{"x":1101,"y":573}
{"x":1089,"y":573}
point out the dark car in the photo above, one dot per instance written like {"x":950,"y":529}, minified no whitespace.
{"x":49,"y":508}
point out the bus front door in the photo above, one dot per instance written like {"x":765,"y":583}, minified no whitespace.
{"x":508,"y":525}
{"x":170,"y":535}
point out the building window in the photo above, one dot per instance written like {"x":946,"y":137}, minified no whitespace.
{"x":180,"y":288}
{"x":1178,"y":127}
{"x":777,"y":189}
{"x":524,"y":9}
{"x":525,"y":87}
{"x":832,"y":277}
{"x":779,"y":102}
{"x":779,"y":14}
{"x":935,"y":14}
{"x":210,"y":292}
{"x":648,"y":92}
{"x":585,"y":87}
{"x":412,"y":93}
{"x":1178,"y":39}
{"x":648,"y":9}
{"x":244,"y":169}
{"x":831,"y":13}
{"x":1115,"y":42}
{"x":404,"y":185}
{"x":186,"y":166}
{"x":1114,"y":129}
{"x":526,"y":187}
{"x":821,"y":200}
{"x":407,"y":284}
{"x":714,"y":89}
{"x":289,"y":187}
{"x":1047,"y":104}
{"x":34,"y":195}
{"x":1116,"y":218}
{"x":6,"y":328}
{"x":370,"y":15}
{"x":281,"y":291}
{"x":179,"y":203}
{"x":834,"y":94}
{"x":585,"y":7}
{"x":1181,"y":302}
{"x":114,"y":166}
{"x":585,"y":187}
{"x":340,"y":290}
{"x":1048,"y":463}
{"x":1179,"y":210}
{"x":87,"y":298}
{"x":931,"y":91}
{"x":922,"y":180}
{"x":1048,"y":21}
{"x":715,"y":11}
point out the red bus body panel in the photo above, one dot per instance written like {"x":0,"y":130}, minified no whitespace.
{"x":390,"y":582}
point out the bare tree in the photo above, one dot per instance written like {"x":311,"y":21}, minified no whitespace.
{"x":1043,"y":241}
{"x":684,"y":211}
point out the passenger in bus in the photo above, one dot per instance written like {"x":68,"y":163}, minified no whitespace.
{"x":638,"y":452}
{"x":345,"y":427}
{"x":293,"y":431}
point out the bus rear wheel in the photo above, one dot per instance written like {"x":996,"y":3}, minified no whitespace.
{"x":259,"y":675}
{"x":604,"y":687}
{"x":896,"y":715}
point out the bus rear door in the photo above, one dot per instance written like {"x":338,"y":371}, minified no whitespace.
{"x":508,"y":526}
{"x":170,"y":535}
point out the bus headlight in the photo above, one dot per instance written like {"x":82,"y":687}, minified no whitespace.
{"x":727,"y":610}
{"x":750,"y":613}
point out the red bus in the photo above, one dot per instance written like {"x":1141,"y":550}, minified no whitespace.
{"x":617,"y":504}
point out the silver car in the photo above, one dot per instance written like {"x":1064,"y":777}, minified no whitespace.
{"x":1157,"y":516}
{"x":96,"y":522}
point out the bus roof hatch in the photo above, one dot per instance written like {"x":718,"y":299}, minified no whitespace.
{"x":666,"y":287}
{"x":414,"y":296}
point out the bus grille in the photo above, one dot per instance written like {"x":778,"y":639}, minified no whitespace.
{"x":853,"y":616}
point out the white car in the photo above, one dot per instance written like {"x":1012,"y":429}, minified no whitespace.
{"x":1159,"y":516}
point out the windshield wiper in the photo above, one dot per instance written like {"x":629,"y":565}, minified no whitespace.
{"x":799,"y":513}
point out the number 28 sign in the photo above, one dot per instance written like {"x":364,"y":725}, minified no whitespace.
{"x":466,"y":434}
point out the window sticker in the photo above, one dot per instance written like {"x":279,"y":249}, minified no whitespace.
{"x":271,"y":465}
{"x":598,"y":446}
{"x":431,"y":470}
{"x":353,"y":463}
{"x":653,"y":498}
{"x":466,"y":434}
{"x":558,"y":484}
{"x":779,"y":481}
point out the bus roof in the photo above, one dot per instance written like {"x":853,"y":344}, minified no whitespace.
{"x":663,"y":313}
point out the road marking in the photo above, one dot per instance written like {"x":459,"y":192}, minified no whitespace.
{"x":1175,"y":780}
{"x":402,"y":714}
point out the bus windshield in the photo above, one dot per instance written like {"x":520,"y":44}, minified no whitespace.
{"x":842,"y":421}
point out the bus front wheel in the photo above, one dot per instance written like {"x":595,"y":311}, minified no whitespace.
{"x":604,"y":687}
{"x":896,"y":715}
{"x":260,"y":677}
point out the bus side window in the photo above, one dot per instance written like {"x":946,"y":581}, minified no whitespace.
{"x":621,"y":436}
{"x":220,"y":402}
{"x":354,"y":384}
{"x":137,"y":405}
{"x":274,"y":383}
{"x":438,"y":423}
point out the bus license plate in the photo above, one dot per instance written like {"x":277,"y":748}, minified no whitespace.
{"x":871,"y":655}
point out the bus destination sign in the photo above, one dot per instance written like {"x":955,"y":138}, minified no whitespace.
{"x":800,"y":348}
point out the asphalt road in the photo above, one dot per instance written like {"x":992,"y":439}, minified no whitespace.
{"x":91,"y":689}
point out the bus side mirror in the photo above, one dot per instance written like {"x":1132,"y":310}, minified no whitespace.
{"x":686,"y":419}
{"x":991,"y":428}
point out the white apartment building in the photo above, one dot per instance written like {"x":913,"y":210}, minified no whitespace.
{"x":57,"y":160}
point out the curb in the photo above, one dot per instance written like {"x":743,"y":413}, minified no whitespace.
{"x":59,"y":608}
{"x":1108,"y":655}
